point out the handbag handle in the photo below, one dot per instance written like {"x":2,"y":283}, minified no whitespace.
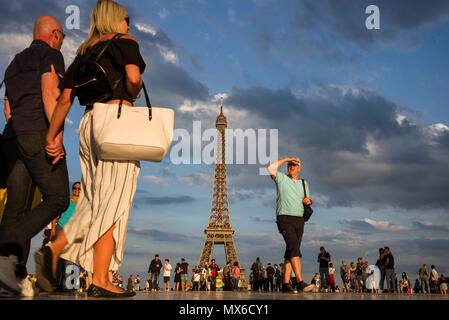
{"x":147,"y":100}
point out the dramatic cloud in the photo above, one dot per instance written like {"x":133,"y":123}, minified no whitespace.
{"x":330,"y":29}
{"x":371,"y":226}
{"x":357,"y":147}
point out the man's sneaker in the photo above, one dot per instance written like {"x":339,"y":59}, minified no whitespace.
{"x":304,"y":287}
{"x":287,"y":288}
{"x":8,"y":279}
{"x":43,"y":258}
{"x":26,"y":286}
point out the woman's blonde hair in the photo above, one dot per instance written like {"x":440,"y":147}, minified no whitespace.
{"x":105,"y":18}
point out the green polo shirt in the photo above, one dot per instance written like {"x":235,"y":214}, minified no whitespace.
{"x":289,"y":195}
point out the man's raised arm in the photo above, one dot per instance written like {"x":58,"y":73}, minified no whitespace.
{"x":272,"y":168}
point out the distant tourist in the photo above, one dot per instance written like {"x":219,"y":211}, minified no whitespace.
{"x":344,"y":269}
{"x":323,"y":259}
{"x":167,"y":268}
{"x":235,"y":276}
{"x":424,"y":277}
{"x":443,"y":284}
{"x":184,"y":274}
{"x":154,"y":271}
{"x":433,"y":279}
{"x":388,"y":267}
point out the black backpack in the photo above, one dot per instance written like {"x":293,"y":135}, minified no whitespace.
{"x":90,"y":79}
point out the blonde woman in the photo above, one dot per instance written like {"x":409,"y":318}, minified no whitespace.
{"x":94,"y":237}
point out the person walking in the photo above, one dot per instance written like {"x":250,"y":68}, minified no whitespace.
{"x":30,"y":99}
{"x":167,"y":269}
{"x":323,"y":259}
{"x":290,"y":203}
{"x":154,"y":270}
{"x":184,"y":274}
{"x":95,"y":235}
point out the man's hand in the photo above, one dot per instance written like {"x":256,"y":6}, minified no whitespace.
{"x":294,"y":160}
{"x":306,"y":201}
{"x":55,"y":148}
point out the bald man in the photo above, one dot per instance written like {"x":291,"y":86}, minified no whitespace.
{"x":32,"y":80}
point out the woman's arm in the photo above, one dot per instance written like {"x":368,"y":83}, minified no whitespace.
{"x":133,"y":80}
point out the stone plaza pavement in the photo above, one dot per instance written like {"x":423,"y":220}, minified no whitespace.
{"x":230,"y":295}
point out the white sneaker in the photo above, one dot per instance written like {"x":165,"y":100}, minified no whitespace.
{"x":26,"y":286}
{"x":8,"y":279}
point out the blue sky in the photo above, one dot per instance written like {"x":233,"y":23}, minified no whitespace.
{"x":365,"y":110}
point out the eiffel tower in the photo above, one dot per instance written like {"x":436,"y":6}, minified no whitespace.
{"x":219,"y":230}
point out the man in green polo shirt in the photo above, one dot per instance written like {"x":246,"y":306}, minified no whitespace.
{"x":289,"y":218}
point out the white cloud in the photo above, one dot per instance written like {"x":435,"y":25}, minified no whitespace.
{"x":12,"y":43}
{"x":146,"y":28}
{"x":156,"y":180}
{"x":163,"y":13}
{"x":68,"y":121}
{"x":385,"y":225}
{"x":167,"y":54}
{"x":198,"y":178}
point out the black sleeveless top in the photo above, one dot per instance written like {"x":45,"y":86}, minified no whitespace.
{"x":119,"y":53}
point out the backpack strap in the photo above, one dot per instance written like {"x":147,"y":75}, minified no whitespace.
{"x":106,"y":46}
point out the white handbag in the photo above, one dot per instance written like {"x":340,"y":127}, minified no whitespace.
{"x":132,"y":133}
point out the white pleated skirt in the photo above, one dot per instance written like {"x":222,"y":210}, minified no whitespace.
{"x":107,"y":191}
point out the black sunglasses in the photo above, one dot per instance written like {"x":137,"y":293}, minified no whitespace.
{"x":127,"y":20}
{"x":77,"y":188}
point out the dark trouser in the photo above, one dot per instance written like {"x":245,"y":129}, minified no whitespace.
{"x":256,"y":284}
{"x":291,"y":228}
{"x":277,"y":284}
{"x":213,"y":283}
{"x":31,"y":167}
{"x":389,"y":276}
{"x":235,"y":282}
{"x":195,"y":285}
{"x":155,"y":280}
{"x":324,"y":275}
{"x":382,"y":279}
{"x":270,"y":284}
